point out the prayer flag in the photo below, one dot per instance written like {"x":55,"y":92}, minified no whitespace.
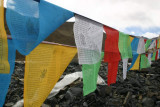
{"x":124,"y":45}
{"x":136,"y":57}
{"x":112,"y":54}
{"x":4,"y":64}
{"x":156,"y":57}
{"x":153,"y":56}
{"x":125,"y":50}
{"x":149,"y":58}
{"x":30,"y":22}
{"x":141,"y":46}
{"x":153,"y":44}
{"x":135,"y":62}
{"x":131,"y":38}
{"x":6,"y":78}
{"x":88,"y":37}
{"x":144,"y":62}
{"x":90,"y":74}
{"x":43,"y":68}
{"x":148,"y":43}
{"x":112,"y":72}
{"x":111,"y":45}
{"x":158,"y":43}
{"x":125,"y":62}
{"x":134,"y":45}
{"x":159,"y":53}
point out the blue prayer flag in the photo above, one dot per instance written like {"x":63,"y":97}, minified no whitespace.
{"x":30,"y":22}
{"x":6,"y":78}
{"x":134,"y":45}
{"x":135,"y":56}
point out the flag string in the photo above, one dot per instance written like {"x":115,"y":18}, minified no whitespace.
{"x":46,"y":42}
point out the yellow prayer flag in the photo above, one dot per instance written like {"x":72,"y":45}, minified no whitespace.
{"x":131,"y":38}
{"x":136,"y":64}
{"x":4,"y":64}
{"x":43,"y":68}
{"x":158,"y":43}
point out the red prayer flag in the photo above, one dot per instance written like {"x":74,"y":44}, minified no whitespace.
{"x":156,"y":58}
{"x":112,"y":72}
{"x":111,"y":45}
{"x":145,"y":40}
{"x":111,"y":53}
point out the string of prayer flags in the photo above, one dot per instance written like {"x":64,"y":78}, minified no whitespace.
{"x":90,"y":75}
{"x":144,"y":62}
{"x":111,"y":53}
{"x":30,"y":22}
{"x":135,"y":62}
{"x":6,"y":78}
{"x":141,"y":46}
{"x":88,"y":37}
{"x":43,"y":68}
{"x":4,"y":64}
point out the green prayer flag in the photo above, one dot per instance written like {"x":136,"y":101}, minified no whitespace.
{"x":124,"y":45}
{"x":144,"y":62}
{"x":148,"y":43}
{"x":154,"y":56}
{"x":90,"y":75}
{"x":157,"y":44}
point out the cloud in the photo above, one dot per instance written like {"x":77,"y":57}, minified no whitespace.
{"x":119,"y":14}
{"x":129,"y":16}
{"x":150,"y":35}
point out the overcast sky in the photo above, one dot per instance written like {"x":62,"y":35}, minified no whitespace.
{"x":137,"y":17}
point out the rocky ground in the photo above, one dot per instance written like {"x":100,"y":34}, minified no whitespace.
{"x":140,"y":89}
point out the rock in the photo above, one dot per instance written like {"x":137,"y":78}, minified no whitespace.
{"x":9,"y":104}
{"x":72,"y":93}
{"x":85,"y":104}
{"x":45,"y":105}
{"x":151,"y":94}
{"x":158,"y":97}
{"x":144,"y":88}
{"x":104,"y":90}
{"x":114,"y":102}
{"x":158,"y":103}
{"x":135,"y":83}
{"x":147,"y":102}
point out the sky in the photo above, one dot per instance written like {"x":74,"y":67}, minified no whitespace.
{"x":135,"y":17}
